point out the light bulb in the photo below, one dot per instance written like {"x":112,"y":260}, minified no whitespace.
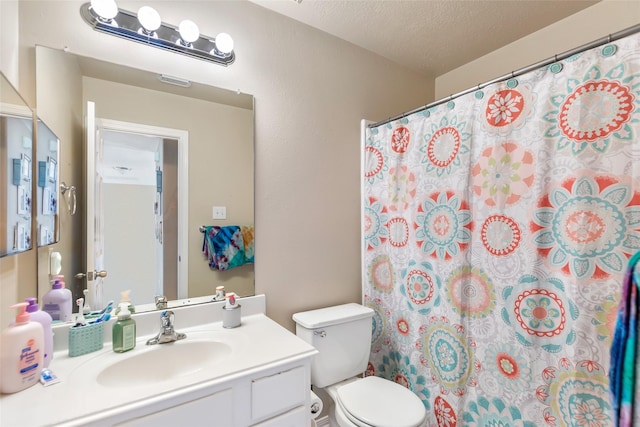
{"x":106,"y":9}
{"x":224,"y":43}
{"x":188,"y":31}
{"x":149,"y":18}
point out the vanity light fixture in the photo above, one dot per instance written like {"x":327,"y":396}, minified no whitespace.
{"x":149,"y":20}
{"x":147,"y":27}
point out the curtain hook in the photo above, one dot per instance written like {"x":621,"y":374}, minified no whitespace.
{"x":609,"y":38}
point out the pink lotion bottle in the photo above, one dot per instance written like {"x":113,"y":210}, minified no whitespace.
{"x":21,"y":353}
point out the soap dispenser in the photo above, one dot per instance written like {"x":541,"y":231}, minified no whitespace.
{"x":124,"y":330}
{"x":21,"y":352}
{"x":45,"y":320}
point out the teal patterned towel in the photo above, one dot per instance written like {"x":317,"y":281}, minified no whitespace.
{"x":624,"y":349}
{"x":224,"y":247}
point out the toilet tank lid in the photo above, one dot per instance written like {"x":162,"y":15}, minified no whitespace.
{"x":328,"y":316}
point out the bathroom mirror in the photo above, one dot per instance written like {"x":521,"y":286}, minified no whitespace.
{"x":220,"y":162}
{"x":16,"y":171}
{"x":47,"y":185}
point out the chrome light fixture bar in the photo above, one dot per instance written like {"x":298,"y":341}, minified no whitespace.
{"x":184,"y":39}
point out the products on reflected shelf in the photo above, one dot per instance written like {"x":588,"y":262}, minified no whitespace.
{"x":58,"y":301}
{"x":125,"y":301}
{"x":220,"y":295}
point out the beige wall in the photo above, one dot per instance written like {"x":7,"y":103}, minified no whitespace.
{"x":61,"y":110}
{"x":9,"y":45}
{"x":311,"y":92}
{"x":599,"y":20}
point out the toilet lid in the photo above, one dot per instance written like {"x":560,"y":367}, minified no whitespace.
{"x":382,"y":403}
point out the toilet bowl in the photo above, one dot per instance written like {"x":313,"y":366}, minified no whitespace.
{"x":342,"y":336}
{"x":375,"y":402}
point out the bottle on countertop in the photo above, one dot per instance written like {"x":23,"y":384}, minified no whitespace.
{"x":21,"y":352}
{"x":58,"y":301}
{"x":124,"y":331}
{"x":45,"y":320}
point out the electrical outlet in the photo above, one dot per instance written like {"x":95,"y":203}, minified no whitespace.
{"x":219,"y":212}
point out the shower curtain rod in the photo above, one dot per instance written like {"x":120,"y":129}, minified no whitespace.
{"x":607,"y":39}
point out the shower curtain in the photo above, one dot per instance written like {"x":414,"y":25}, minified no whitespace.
{"x":497,"y":230}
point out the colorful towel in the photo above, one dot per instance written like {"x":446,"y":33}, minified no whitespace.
{"x":247,"y":235}
{"x":624,"y":349}
{"x":224,"y":247}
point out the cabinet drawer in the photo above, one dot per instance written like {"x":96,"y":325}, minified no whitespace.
{"x":277,"y":393}
{"x":294,"y":418}
{"x":216,"y":406}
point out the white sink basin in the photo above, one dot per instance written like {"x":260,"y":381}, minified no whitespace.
{"x":164,"y":362}
{"x":201,"y":356}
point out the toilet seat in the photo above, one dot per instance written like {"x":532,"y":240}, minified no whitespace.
{"x":376,"y":402}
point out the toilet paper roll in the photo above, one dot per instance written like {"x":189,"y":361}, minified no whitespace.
{"x":316,"y":405}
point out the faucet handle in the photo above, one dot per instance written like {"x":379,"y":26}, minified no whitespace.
{"x":167,"y":317}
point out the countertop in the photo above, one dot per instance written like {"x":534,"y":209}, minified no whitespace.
{"x":78,"y":399}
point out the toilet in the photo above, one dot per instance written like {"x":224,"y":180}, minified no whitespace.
{"x":342,"y":336}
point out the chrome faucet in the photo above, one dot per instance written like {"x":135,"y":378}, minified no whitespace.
{"x":167,"y":333}
{"x":161,"y":302}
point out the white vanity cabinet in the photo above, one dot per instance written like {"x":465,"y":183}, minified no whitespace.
{"x":213,"y":410}
{"x":258,"y":374}
{"x":273,"y":397}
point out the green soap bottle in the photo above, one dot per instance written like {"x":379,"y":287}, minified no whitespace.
{"x":124,"y":331}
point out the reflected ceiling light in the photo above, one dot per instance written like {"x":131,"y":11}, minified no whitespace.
{"x":224,"y":44}
{"x":146,"y":27}
{"x":189,"y":31}
{"x":149,"y":19}
{"x":105,"y":9}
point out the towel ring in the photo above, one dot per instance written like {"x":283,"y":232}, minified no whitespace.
{"x":71,"y":204}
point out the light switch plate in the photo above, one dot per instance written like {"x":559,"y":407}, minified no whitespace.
{"x":219,"y":212}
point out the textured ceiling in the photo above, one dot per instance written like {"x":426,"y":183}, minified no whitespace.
{"x":429,"y":36}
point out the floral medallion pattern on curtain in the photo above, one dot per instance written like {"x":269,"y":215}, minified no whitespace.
{"x":497,"y":231}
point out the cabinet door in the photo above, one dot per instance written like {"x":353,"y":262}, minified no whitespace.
{"x":216,"y":408}
{"x":278,"y":393}
{"x":297,"y":417}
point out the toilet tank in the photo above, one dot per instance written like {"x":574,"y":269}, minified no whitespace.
{"x":342,"y":336}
